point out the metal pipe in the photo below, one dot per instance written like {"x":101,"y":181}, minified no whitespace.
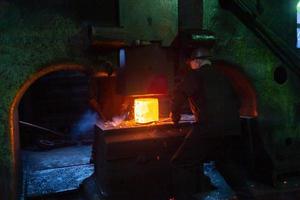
{"x":42,"y":128}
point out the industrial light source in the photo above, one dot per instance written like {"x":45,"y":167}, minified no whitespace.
{"x":146,"y":110}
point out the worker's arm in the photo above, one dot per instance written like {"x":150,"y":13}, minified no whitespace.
{"x":186,"y":88}
{"x":178,"y":99}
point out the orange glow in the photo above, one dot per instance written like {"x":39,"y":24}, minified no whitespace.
{"x":146,"y":110}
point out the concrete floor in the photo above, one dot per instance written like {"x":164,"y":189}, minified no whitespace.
{"x":61,"y":170}
{"x":74,"y":195}
{"x":57,"y":174}
{"x":55,"y":171}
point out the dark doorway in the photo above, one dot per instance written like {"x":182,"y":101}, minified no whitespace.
{"x":56,"y":127}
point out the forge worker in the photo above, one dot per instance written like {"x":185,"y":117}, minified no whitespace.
{"x":214,"y":104}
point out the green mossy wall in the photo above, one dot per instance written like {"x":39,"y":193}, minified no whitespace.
{"x":277,"y":104}
{"x":28,"y":43}
{"x":150,"y":20}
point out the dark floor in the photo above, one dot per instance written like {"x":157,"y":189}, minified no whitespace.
{"x":56,"y":171}
{"x":57,"y":174}
{"x":73,"y":195}
{"x":48,"y":173}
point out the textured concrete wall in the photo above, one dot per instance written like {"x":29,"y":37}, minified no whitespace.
{"x":280,"y":16}
{"x":150,"y":20}
{"x":28,"y":43}
{"x":278,"y":103}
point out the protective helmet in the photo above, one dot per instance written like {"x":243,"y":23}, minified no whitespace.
{"x":201,"y":53}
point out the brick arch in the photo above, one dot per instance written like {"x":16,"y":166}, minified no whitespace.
{"x":242,"y":86}
{"x":13,"y":117}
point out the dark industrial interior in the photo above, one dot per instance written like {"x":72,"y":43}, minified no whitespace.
{"x":88,"y":89}
{"x":56,"y":132}
{"x":57,"y":101}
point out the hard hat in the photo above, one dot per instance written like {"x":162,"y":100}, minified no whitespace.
{"x":201,"y":53}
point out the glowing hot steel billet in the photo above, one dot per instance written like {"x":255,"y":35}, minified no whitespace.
{"x":146,"y":110}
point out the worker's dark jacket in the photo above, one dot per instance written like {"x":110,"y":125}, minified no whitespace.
{"x":212,"y":101}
